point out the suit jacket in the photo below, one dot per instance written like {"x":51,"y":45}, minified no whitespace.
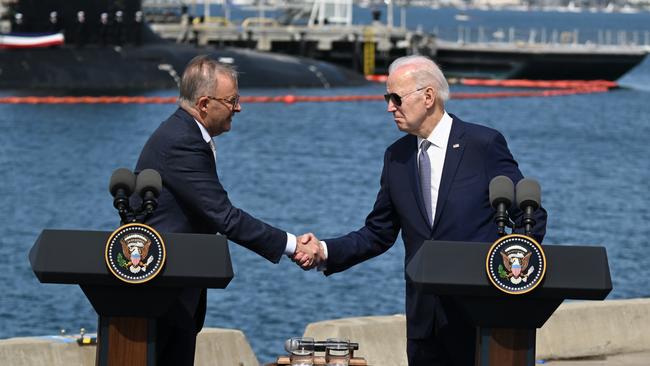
{"x":194,"y":201}
{"x":475,"y":154}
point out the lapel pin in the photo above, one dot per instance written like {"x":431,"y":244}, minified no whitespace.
{"x":456,"y":146}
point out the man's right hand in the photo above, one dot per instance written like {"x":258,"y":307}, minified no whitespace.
{"x":309,"y":251}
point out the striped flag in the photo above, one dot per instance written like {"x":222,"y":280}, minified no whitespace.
{"x":29,"y":40}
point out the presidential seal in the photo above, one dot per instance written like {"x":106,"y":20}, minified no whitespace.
{"x":135,"y":253}
{"x":516,"y":264}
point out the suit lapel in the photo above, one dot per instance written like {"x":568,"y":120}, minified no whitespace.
{"x":453,"y":156}
{"x":415,"y":179}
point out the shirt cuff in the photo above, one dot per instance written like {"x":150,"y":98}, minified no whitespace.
{"x":291,"y":245}
{"x":322,"y":267}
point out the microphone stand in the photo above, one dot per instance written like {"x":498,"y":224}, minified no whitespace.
{"x":528,"y":220}
{"x":502,"y":220}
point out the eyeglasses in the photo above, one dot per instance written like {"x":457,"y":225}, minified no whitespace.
{"x":232,"y":101}
{"x":397,"y":100}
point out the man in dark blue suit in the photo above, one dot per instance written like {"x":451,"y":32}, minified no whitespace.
{"x":192,"y":199}
{"x":434,"y":186}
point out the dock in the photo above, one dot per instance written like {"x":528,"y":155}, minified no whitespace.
{"x":368,"y":49}
{"x":323,"y":30}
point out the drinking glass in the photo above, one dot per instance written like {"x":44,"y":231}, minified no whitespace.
{"x":303,"y":353}
{"x":337,"y":352}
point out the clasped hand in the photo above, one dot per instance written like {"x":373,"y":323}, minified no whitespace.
{"x":309,"y":252}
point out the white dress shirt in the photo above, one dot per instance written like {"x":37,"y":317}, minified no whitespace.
{"x":438,"y":138}
{"x":291,"y":239}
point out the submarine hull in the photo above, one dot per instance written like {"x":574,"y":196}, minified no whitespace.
{"x":113,"y":70}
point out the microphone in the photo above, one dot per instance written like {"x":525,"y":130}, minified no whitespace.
{"x":121,"y":186}
{"x":529,"y":198}
{"x":502,"y":194}
{"x":293,"y":344}
{"x":148,"y":187}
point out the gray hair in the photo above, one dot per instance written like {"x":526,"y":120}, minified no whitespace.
{"x":426,"y":73}
{"x":200,"y":78}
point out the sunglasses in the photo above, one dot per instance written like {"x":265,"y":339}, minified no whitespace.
{"x":397,"y":99}
{"x":232,"y":101}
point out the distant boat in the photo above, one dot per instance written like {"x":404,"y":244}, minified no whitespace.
{"x":461,"y":17}
{"x":609,"y":8}
{"x":572,"y":8}
{"x":627,"y":9}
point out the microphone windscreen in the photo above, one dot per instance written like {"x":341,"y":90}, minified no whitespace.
{"x":122,"y":178}
{"x":502,"y":190}
{"x":290,"y":345}
{"x":148,"y":180}
{"x":529,"y":193}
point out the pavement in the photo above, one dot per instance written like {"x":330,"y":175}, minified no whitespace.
{"x":624,"y":359}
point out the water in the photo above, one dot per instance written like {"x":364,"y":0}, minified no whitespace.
{"x":314,"y":167}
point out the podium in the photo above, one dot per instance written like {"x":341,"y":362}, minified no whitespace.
{"x":506,"y":324}
{"x":126,"y":332}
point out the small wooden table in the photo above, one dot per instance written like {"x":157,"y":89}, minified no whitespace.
{"x":319,"y":360}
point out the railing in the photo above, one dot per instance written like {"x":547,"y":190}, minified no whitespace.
{"x":601,"y":37}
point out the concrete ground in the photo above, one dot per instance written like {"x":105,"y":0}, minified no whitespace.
{"x":624,"y":359}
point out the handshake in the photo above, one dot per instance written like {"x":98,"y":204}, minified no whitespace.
{"x":309,"y":252}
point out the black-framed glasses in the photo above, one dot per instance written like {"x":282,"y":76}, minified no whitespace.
{"x":397,"y":99}
{"x":232,"y":101}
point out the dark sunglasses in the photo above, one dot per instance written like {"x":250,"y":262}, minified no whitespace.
{"x":397,"y":100}
{"x":232,"y":101}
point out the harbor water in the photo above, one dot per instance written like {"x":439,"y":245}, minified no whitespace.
{"x":314,"y":167}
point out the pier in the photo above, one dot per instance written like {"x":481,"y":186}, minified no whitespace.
{"x":363,"y":48}
{"x":483,"y":52}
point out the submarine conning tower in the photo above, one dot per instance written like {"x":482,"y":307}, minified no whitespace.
{"x":103,"y":22}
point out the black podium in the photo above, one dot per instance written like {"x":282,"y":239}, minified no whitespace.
{"x":506,"y":324}
{"x":127,"y":312}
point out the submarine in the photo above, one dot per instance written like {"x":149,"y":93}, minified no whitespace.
{"x":105,"y":47}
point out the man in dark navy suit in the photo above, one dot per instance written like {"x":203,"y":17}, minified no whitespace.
{"x":192,"y":199}
{"x":434,"y":186}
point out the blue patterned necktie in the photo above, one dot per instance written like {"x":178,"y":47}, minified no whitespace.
{"x":425,"y":178}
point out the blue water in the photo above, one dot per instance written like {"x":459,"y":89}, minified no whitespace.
{"x":314,"y":167}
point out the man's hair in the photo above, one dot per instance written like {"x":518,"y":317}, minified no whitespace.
{"x":425,"y":73}
{"x":200,"y":78}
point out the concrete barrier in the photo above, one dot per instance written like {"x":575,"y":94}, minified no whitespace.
{"x":576,"y":329}
{"x":44,"y":351}
{"x":592,"y":328}
{"x":382,"y":339}
{"x":214,"y":347}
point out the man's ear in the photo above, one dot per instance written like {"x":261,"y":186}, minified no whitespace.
{"x":202,"y":104}
{"x":430,"y":97}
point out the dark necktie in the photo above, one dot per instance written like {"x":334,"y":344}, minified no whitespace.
{"x":425,"y":178}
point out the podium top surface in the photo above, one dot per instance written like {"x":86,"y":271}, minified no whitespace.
{"x":458,"y":268}
{"x":77,"y":257}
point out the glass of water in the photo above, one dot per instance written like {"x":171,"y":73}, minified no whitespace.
{"x":302,"y":352}
{"x":337,"y":352}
